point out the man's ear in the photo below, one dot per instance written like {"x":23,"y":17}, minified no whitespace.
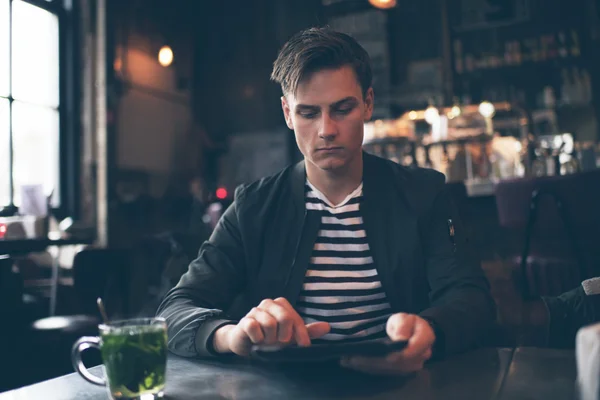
{"x":369,"y":100}
{"x":287,"y":112}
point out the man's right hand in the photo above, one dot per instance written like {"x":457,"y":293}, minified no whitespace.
{"x":272,"y":322}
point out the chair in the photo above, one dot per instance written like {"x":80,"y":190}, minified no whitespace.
{"x":157,"y":263}
{"x":11,"y":289}
{"x":97,"y":272}
{"x":94,"y":270}
{"x":557,"y":220}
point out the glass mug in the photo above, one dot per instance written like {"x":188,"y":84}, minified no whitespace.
{"x":134,"y":354}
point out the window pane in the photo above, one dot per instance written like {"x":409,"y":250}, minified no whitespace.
{"x":34,"y":54}
{"x":36,"y":147}
{"x":4,"y":154}
{"x":4,"y":59}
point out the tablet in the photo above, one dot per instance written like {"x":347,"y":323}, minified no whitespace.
{"x":324,"y":352}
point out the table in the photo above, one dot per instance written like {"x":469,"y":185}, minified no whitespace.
{"x":24,"y":246}
{"x":490,"y":373}
{"x":540,"y":374}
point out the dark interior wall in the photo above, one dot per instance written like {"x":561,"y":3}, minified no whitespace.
{"x":237,"y":42}
{"x":415,"y":33}
{"x":153,"y":145}
{"x":233,"y":42}
{"x":230,"y":47}
{"x":415,"y":40}
{"x":150,"y":104}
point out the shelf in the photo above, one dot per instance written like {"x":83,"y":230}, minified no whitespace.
{"x":528,"y":67}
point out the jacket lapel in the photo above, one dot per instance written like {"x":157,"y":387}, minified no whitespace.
{"x":307,"y":228}
{"x":298,"y":183}
{"x":390,"y":228}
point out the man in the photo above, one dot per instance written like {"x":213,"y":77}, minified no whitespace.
{"x":343,"y":246}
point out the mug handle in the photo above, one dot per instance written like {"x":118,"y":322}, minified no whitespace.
{"x":82,"y":344}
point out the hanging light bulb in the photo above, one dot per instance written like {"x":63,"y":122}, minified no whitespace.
{"x":487,"y":109}
{"x":383,"y":4}
{"x":432,"y":115}
{"x":454,"y":112}
{"x":165,"y":56}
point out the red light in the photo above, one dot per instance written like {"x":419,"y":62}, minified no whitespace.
{"x":221,"y":193}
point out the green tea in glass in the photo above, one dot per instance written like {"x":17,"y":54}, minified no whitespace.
{"x":134,"y":354}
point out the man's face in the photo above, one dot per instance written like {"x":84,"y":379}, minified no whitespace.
{"x":327,"y":114}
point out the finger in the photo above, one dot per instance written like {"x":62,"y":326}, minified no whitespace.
{"x":267,"y":323}
{"x":298,"y":328}
{"x":400,"y":326}
{"x":421,"y":340}
{"x":252,"y":329}
{"x":288,"y":318}
{"x":318,"y":329}
{"x":301,"y":336}
{"x":239,"y":342}
{"x":282,"y":301}
{"x":285,"y":319}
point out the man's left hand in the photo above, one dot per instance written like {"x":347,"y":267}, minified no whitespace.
{"x":399,"y":327}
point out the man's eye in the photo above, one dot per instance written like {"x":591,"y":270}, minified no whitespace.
{"x":344,"y":111}
{"x":308,"y":114}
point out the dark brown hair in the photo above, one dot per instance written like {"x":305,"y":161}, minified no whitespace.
{"x":316,"y":49}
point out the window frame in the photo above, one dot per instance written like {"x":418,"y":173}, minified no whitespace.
{"x":68,"y":107}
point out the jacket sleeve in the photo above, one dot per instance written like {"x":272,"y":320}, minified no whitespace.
{"x":568,"y":313}
{"x":193,"y":309}
{"x":461,"y":306}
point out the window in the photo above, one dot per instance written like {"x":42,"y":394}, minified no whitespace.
{"x":29,"y":100}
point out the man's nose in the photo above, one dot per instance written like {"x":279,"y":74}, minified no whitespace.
{"x":328,"y":128}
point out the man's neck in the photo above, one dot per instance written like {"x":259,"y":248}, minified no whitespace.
{"x":336,"y":185}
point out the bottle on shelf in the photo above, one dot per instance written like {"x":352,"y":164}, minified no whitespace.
{"x":519,"y":55}
{"x":575,"y":49}
{"x":458,"y":57}
{"x":543,"y":48}
{"x":549,"y":98}
{"x":587,"y":84}
{"x":577,"y":89}
{"x":535,"y":50}
{"x":566,"y":96}
{"x":552,"y":47}
{"x":562,"y":45}
{"x":527,"y":50}
{"x":508,"y":53}
{"x":469,"y":63}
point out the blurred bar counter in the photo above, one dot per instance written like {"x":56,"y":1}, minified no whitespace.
{"x":480,"y":145}
{"x":477,"y":147}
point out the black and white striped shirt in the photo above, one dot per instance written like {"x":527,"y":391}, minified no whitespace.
{"x":341,"y":284}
